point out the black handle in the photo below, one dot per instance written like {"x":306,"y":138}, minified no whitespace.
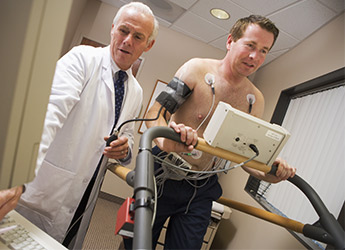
{"x":330,"y":231}
{"x":113,"y":137}
{"x":274,"y":169}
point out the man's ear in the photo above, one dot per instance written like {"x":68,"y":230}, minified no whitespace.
{"x":150,"y":45}
{"x":229,"y":41}
{"x":112,"y":30}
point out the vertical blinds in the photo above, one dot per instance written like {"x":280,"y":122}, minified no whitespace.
{"x":317,"y":149}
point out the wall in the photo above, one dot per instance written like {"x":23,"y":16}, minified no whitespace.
{"x":27,"y":69}
{"x":321,"y":53}
{"x":9,"y":71}
{"x":77,"y":10}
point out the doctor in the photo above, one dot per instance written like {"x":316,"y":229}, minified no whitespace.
{"x":79,"y":118}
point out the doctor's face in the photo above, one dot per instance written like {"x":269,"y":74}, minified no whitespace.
{"x":129,"y":37}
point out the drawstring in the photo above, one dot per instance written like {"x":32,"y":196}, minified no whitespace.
{"x":191,"y":199}
{"x":195,"y":185}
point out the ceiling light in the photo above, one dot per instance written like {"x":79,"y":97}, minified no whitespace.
{"x":220,"y":14}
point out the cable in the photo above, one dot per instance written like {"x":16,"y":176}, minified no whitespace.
{"x":140,"y":119}
{"x":155,"y":201}
{"x":205,"y":174}
{"x":254,"y":148}
{"x":113,"y":137}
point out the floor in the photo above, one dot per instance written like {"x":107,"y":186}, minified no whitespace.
{"x":101,"y":233}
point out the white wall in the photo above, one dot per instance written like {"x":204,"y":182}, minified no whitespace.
{"x":321,"y":53}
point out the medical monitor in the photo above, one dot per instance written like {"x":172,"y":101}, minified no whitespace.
{"x":234,"y":130}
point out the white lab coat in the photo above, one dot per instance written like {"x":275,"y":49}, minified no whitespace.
{"x":80,"y":113}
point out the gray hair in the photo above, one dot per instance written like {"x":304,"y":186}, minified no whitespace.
{"x":146,"y":10}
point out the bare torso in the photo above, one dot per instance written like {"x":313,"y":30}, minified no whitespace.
{"x":196,"y":107}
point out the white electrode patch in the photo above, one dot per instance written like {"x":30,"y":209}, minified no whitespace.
{"x":196,"y":154}
{"x":209,"y":79}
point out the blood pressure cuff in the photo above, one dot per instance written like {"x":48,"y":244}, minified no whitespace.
{"x":174,"y":95}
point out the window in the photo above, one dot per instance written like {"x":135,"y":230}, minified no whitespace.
{"x":314,"y":114}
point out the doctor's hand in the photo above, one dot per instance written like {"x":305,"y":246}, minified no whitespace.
{"x":9,"y":199}
{"x":188,"y":136}
{"x":118,"y":149}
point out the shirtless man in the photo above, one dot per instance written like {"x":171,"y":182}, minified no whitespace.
{"x":189,"y":203}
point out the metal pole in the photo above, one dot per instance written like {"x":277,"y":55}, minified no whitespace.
{"x":143,"y":186}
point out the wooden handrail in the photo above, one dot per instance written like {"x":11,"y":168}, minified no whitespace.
{"x":233,"y":157}
{"x":263,"y":214}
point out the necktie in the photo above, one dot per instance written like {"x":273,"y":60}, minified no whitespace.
{"x":119,"y":80}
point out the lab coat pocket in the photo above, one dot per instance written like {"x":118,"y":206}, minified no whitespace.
{"x":47,"y":192}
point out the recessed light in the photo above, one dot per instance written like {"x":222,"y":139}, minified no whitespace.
{"x":220,"y":14}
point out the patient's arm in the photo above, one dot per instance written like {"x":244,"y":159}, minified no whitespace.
{"x":284,"y":172}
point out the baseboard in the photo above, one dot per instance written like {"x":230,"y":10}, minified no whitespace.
{"x":111,"y":197}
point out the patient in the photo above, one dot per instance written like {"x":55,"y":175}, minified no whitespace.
{"x":189,"y":101}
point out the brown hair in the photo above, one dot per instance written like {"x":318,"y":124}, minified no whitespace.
{"x":241,"y":25}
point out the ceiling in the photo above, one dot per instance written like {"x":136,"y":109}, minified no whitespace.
{"x":296,"y":19}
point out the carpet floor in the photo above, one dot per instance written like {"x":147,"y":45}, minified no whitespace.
{"x":101,"y":232}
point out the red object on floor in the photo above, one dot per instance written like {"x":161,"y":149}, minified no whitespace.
{"x":125,"y":219}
